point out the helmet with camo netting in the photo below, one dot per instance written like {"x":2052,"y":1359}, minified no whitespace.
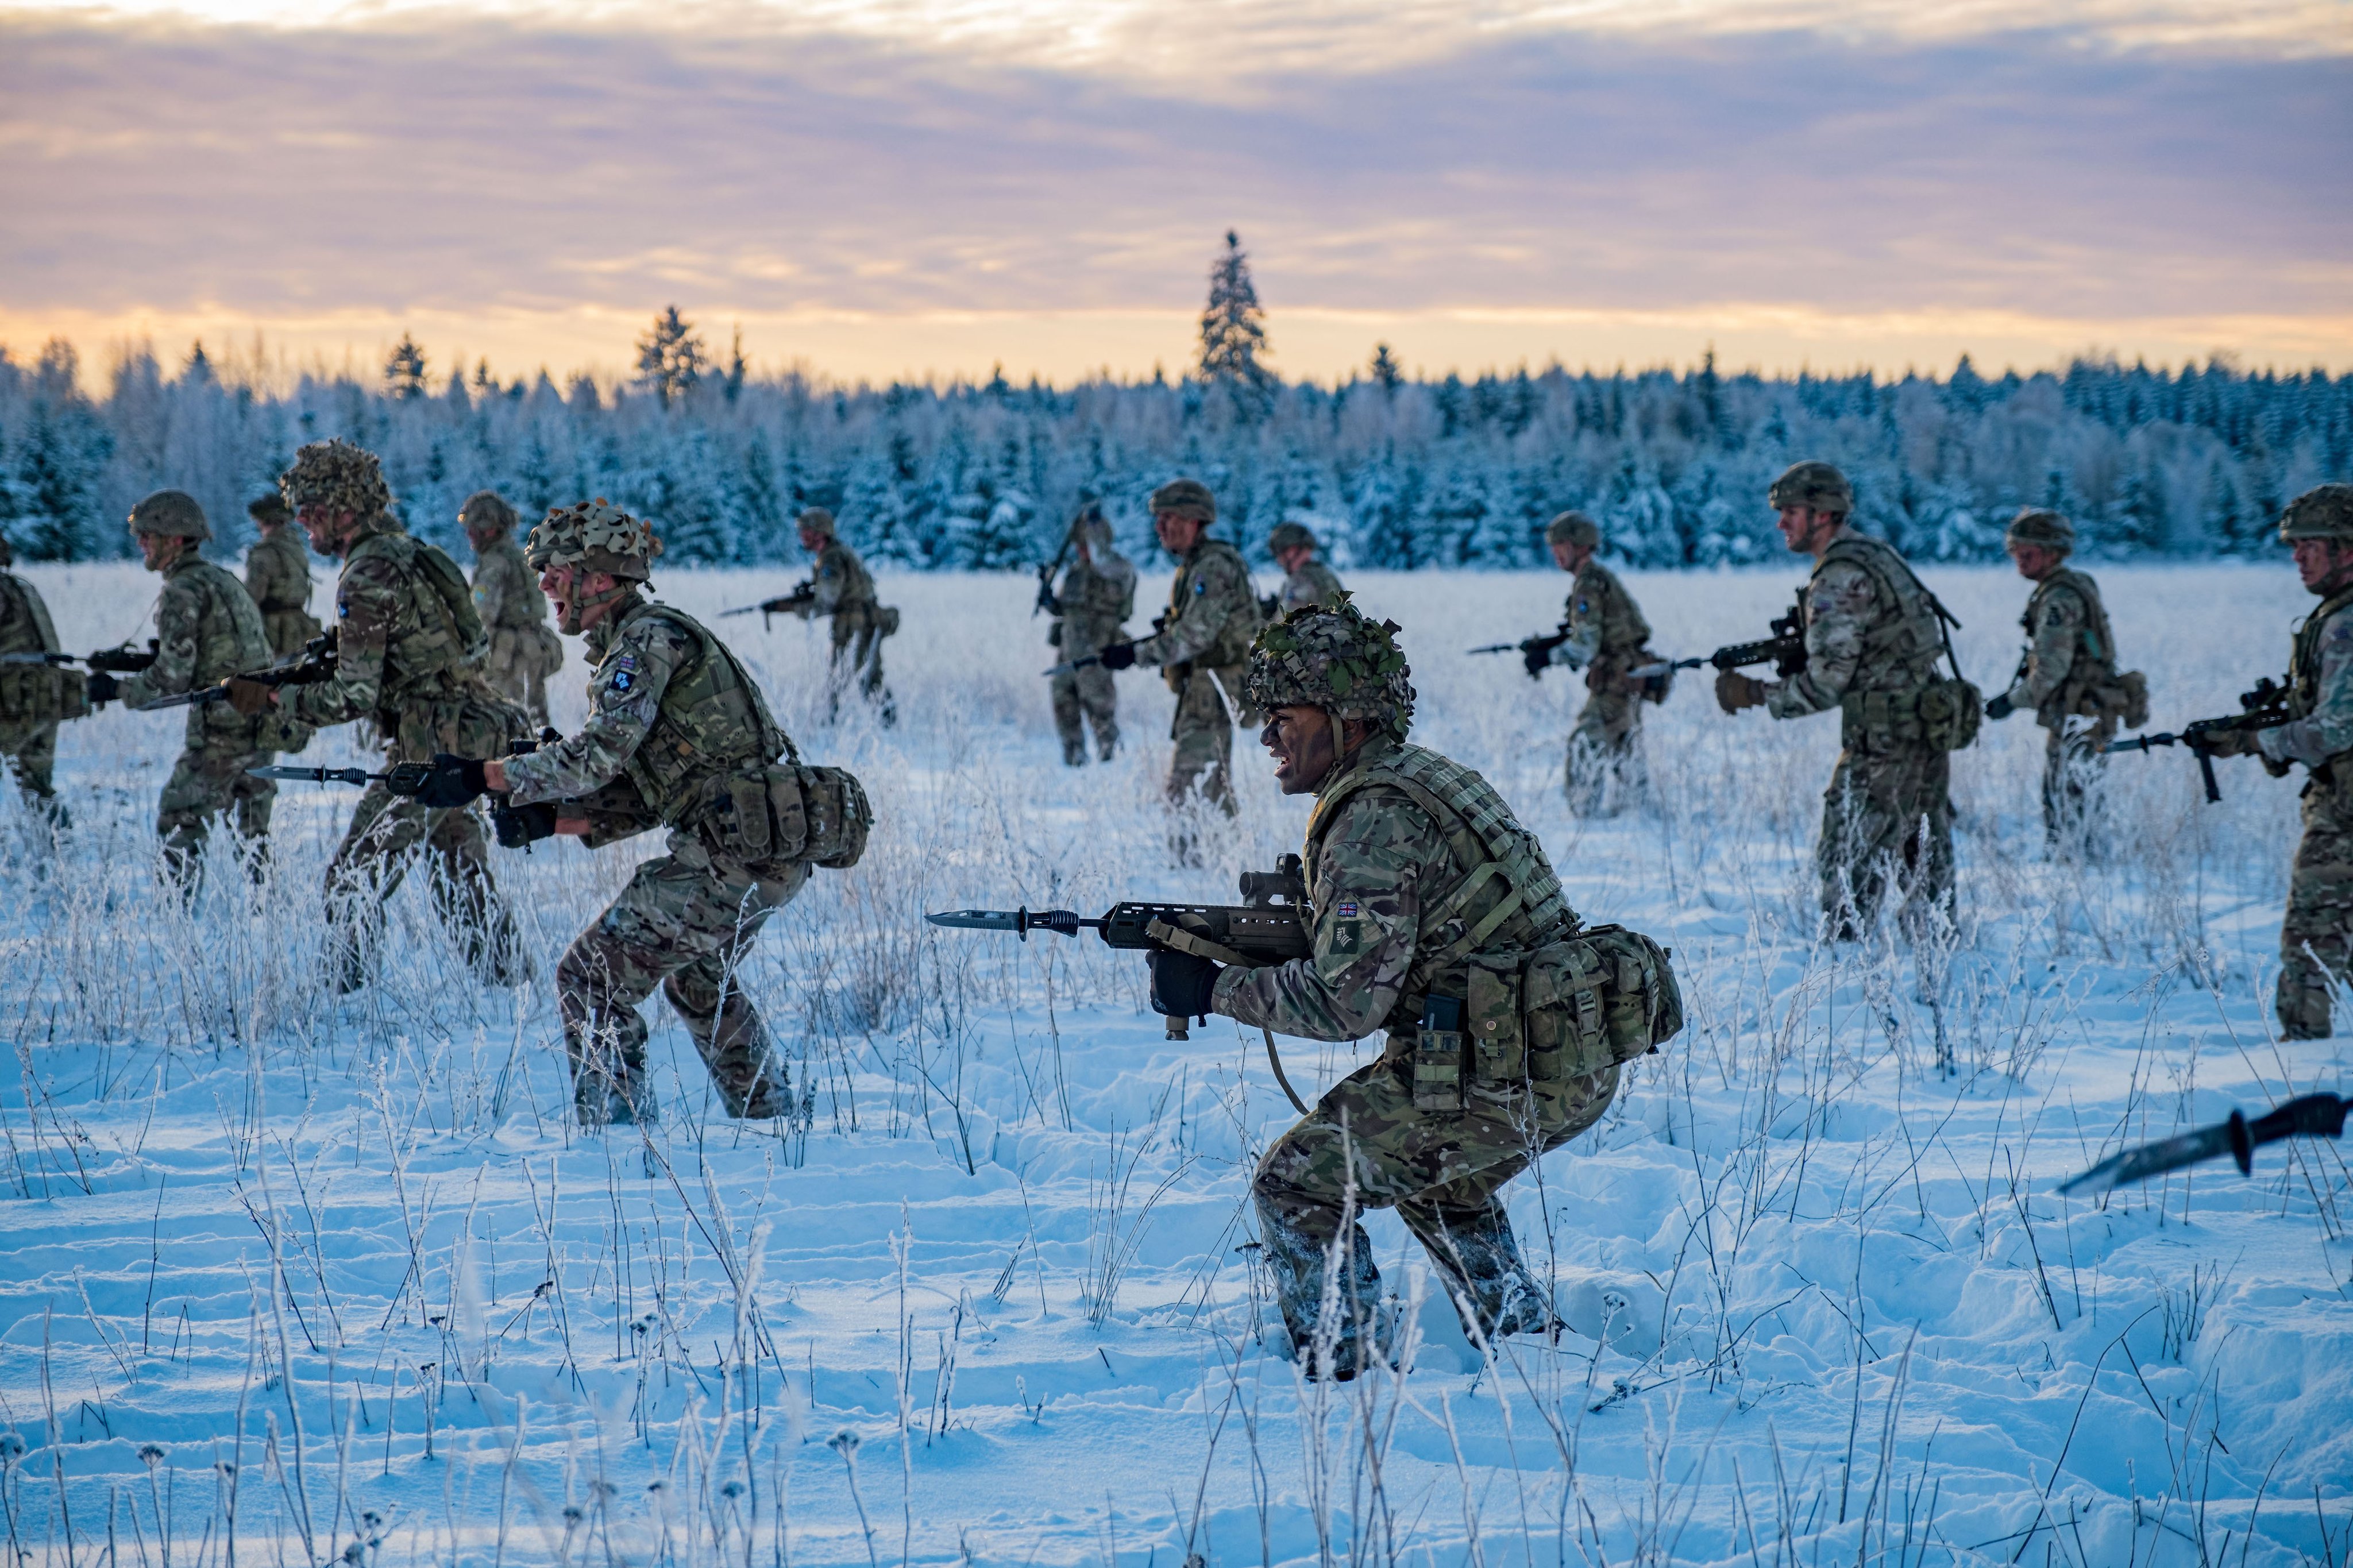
{"x":486,"y":509}
{"x":1336,"y":659}
{"x":336,"y":475}
{"x":171,"y":514}
{"x":2035,"y":526}
{"x":1290,"y":536}
{"x":594,"y":534}
{"x":1574,"y":529}
{"x":2325,"y":511}
{"x":1814,"y":485}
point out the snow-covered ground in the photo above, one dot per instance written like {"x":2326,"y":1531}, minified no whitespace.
{"x":288,"y":1277}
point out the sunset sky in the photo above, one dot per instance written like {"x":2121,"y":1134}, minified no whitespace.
{"x":935,"y":187}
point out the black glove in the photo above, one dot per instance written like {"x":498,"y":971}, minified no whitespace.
{"x":1536,"y":657}
{"x":1182,"y":983}
{"x":1118,"y":656}
{"x":1048,"y":601}
{"x":1999,"y":706}
{"x":520,"y":826}
{"x":450,"y":781}
{"x":103,"y":687}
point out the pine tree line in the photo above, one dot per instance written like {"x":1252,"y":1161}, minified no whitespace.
{"x":1393,"y":472}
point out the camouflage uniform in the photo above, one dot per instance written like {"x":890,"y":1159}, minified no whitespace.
{"x":1097,"y":593}
{"x":1314,"y":585}
{"x":1605,"y":635}
{"x":1415,"y":865}
{"x":1202,"y":645}
{"x":207,"y":628}
{"x":844,"y":592}
{"x":278,"y":577}
{"x":33,"y":698}
{"x":2070,"y":651}
{"x":1872,"y":641}
{"x":2316,"y":935}
{"x":523,"y":651}
{"x":676,"y":726}
{"x":404,"y":660}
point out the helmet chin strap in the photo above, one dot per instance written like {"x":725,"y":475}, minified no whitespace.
{"x":568,"y":620}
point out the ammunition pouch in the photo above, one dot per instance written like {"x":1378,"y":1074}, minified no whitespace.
{"x":787,"y":812}
{"x":1942,"y":716}
{"x":1567,"y":1010}
{"x":35,"y":694}
{"x":2124,"y":698}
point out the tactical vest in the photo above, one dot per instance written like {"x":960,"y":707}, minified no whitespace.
{"x":450,"y":639}
{"x":1623,"y":629}
{"x":1506,"y":896}
{"x":2304,"y":661}
{"x":1232,"y":646}
{"x":1913,"y":636}
{"x":712,"y":723}
{"x":225,"y":596}
{"x":2096,"y":646}
{"x":857,"y":583}
{"x":37,"y":693}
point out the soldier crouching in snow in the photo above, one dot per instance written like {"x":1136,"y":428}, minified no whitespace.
{"x":1419,"y":876}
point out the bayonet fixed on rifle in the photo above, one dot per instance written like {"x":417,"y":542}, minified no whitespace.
{"x":1785,"y":650}
{"x":1269,"y":926}
{"x":124,"y":660}
{"x":1533,"y":651}
{"x":2264,"y":707}
{"x":2310,"y":1115}
{"x":804,"y":594}
{"x":401,"y":778}
{"x":314,"y":664}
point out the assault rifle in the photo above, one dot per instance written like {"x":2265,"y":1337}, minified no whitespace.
{"x":1534,"y":652}
{"x":803,"y":595}
{"x":1269,"y":926}
{"x":2312,"y":1115}
{"x":1047,"y":572}
{"x":409,"y":778}
{"x":1785,"y":650}
{"x":1159,"y":624}
{"x":2264,"y":707}
{"x":314,"y":664}
{"x":124,"y":660}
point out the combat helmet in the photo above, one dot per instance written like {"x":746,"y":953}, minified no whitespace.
{"x":336,"y":475}
{"x":1336,"y":659}
{"x":171,"y":514}
{"x":2035,"y":526}
{"x":1185,"y":498}
{"x":269,"y":508}
{"x":2325,"y":511}
{"x":1813,"y":484}
{"x":1091,"y":527}
{"x":594,"y":534}
{"x":489,"y":509}
{"x":1574,"y":529}
{"x":816,"y":519}
{"x":1290,"y":536}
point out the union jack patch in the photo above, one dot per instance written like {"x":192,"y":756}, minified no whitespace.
{"x":1346,"y":912}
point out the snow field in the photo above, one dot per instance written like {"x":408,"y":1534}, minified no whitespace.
{"x":289,"y":1277}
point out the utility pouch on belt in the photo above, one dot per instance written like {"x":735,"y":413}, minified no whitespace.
{"x":1438,"y":1056}
{"x":1498,"y":1055}
{"x":821,"y":814}
{"x":1943,"y":715}
{"x":1604,"y":997}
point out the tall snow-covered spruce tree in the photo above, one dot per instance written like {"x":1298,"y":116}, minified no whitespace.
{"x":1233,"y":327}
{"x":670,"y":357}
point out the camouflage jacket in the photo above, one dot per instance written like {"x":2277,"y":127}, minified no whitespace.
{"x":670,"y":712}
{"x":278,"y":576}
{"x":506,"y":590}
{"x":207,"y":628}
{"x":840,"y":580}
{"x":1605,"y":625}
{"x":1400,"y":850}
{"x":2068,"y":647}
{"x":1870,"y":627}
{"x":1096,"y":595}
{"x":1212,"y":613}
{"x":29,"y":694}
{"x":24,"y":625}
{"x":2320,"y":689}
{"x":399,"y":654}
{"x":1313,"y":583}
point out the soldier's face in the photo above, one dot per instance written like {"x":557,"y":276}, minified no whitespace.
{"x":2034,"y":560}
{"x":327,"y":528}
{"x":1293,"y":559}
{"x":1804,"y":530}
{"x":1178,"y":534}
{"x":2320,"y":561}
{"x":579,"y":598}
{"x":1571,"y":557}
{"x":1301,"y":739}
{"x":811,"y":540}
{"x":159,"y":550}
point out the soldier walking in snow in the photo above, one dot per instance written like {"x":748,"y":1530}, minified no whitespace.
{"x":1306,"y":581}
{"x":278,"y":577}
{"x":1603,"y":634}
{"x":1097,"y":593}
{"x":409,"y":656}
{"x":1874,"y":636}
{"x":34,"y":697}
{"x":842,"y":590}
{"x":523,"y":652}
{"x":1430,"y":903}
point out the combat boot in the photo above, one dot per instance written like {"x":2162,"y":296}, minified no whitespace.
{"x":608,"y":1077}
{"x":1075,"y":754}
{"x":1491,"y":1287}
{"x":1329,"y":1293}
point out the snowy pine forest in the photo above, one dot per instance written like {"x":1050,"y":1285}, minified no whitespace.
{"x":1394,"y":472}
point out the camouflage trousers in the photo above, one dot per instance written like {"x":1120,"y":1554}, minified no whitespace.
{"x":1364,"y":1146}
{"x":1202,"y":761}
{"x":32,"y":753}
{"x":372,"y":861}
{"x":518,"y":663}
{"x":2074,"y":766}
{"x":2317,"y":937}
{"x":1606,"y":772}
{"x":206,"y":782}
{"x":1091,"y":695}
{"x":858,"y":657}
{"x":288,"y":630}
{"x":1887,"y":830}
{"x":684,"y":922}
